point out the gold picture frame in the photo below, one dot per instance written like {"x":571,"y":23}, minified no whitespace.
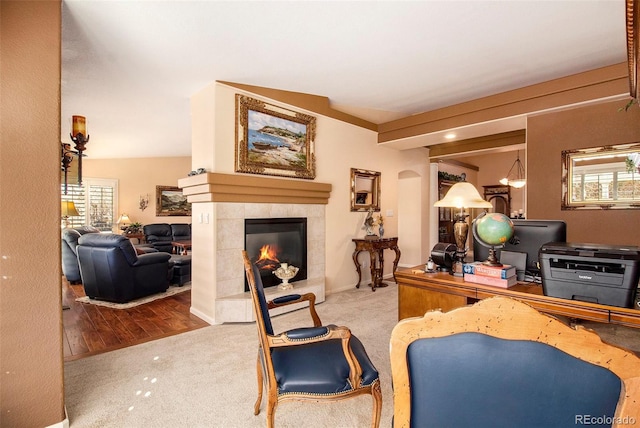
{"x":171,"y":202}
{"x":273,"y":140}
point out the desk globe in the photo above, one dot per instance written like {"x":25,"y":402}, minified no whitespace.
{"x":492,"y":230}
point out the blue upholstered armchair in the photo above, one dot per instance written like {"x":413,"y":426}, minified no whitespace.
{"x":111,"y":270}
{"x":500,"y":363}
{"x":312,"y":363}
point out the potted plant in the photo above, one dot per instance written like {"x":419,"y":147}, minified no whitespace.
{"x":135,"y":227}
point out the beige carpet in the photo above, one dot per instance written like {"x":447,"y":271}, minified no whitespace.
{"x":173,"y":289}
{"x":206,"y":378}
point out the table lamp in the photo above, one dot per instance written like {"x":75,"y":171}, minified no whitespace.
{"x":462,"y":195}
{"x":68,"y":209}
{"x":124,"y":221}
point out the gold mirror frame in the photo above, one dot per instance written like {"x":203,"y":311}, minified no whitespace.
{"x":365,"y":190}
{"x":598,"y":175}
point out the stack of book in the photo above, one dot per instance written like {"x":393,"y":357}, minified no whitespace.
{"x":498,"y":276}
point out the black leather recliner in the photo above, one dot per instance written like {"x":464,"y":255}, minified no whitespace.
{"x":69,"y":241}
{"x":111,"y":270}
{"x":159,"y":235}
{"x":181,"y":232}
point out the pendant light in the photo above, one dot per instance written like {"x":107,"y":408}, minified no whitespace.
{"x":515,"y":178}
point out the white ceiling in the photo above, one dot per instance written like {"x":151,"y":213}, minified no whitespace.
{"x":131,"y":66}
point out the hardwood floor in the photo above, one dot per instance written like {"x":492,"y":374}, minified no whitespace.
{"x":90,"y":329}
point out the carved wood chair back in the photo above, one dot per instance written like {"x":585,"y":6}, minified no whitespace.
{"x":502,"y":363}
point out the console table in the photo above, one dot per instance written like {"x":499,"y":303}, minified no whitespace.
{"x":419,"y":292}
{"x":376,"y":248}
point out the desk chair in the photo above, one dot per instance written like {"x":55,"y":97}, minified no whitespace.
{"x":500,"y":363}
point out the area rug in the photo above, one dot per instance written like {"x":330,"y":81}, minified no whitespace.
{"x":173,"y":289}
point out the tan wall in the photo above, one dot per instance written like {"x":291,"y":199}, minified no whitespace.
{"x":590,"y":126}
{"x":339,"y":146}
{"x":139,"y":177}
{"x":31,"y":362}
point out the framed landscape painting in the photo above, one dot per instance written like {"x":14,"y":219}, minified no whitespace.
{"x":272,"y":140}
{"x":170,"y":201}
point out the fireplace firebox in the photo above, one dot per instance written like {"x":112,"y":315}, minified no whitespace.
{"x":272,"y":241}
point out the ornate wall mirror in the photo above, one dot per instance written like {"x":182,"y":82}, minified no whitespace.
{"x":601,"y":178}
{"x":500,"y":197}
{"x":365,"y":190}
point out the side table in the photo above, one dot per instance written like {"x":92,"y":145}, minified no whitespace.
{"x":139,"y":236}
{"x":376,"y":248}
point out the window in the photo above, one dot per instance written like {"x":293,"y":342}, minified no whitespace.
{"x":96,"y":201}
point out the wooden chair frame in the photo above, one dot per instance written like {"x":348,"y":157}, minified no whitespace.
{"x":495,"y":317}
{"x":265,"y":369}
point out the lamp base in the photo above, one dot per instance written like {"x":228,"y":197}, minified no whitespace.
{"x":458,"y":269}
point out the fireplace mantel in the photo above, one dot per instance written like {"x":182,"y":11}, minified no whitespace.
{"x":219,"y":187}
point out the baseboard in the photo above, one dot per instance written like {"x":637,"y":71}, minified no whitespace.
{"x":62,"y":424}
{"x":202,"y":316}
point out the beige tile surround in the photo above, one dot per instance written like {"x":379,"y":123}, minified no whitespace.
{"x":233,"y":304}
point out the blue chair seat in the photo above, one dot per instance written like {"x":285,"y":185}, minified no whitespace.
{"x":319,"y":368}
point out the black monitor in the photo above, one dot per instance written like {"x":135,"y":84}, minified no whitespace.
{"x":529,"y":236}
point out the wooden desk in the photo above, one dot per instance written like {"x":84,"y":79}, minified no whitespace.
{"x":376,"y":248}
{"x":422,"y":292}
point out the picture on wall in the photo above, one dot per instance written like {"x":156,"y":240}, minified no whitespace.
{"x":170,"y":201}
{"x":272,"y":140}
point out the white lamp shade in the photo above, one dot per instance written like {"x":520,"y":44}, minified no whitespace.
{"x":124,"y":219}
{"x":463,"y":195}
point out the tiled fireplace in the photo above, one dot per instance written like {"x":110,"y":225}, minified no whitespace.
{"x":233,"y":303}
{"x":221,"y":202}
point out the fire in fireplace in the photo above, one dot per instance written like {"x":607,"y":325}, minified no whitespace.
{"x":272,"y":241}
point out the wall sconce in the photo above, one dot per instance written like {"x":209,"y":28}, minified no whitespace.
{"x":66,"y":155}
{"x":80,"y":138}
{"x":516,"y":180}
{"x":144,"y":202}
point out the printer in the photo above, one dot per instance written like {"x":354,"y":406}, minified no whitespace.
{"x":590,"y":272}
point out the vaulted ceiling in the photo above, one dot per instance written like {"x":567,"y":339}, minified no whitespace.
{"x":131,"y":66}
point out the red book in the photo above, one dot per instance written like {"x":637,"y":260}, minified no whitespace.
{"x":479,"y":268}
{"x":488,"y":280}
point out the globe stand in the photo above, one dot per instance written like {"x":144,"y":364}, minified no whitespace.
{"x":492,"y":260}
{"x":492,"y":243}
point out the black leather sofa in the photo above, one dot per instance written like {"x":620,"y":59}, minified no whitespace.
{"x":69,"y":241}
{"x":160,"y":235}
{"x":112,"y":270}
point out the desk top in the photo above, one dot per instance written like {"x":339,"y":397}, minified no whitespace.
{"x":532,"y":294}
